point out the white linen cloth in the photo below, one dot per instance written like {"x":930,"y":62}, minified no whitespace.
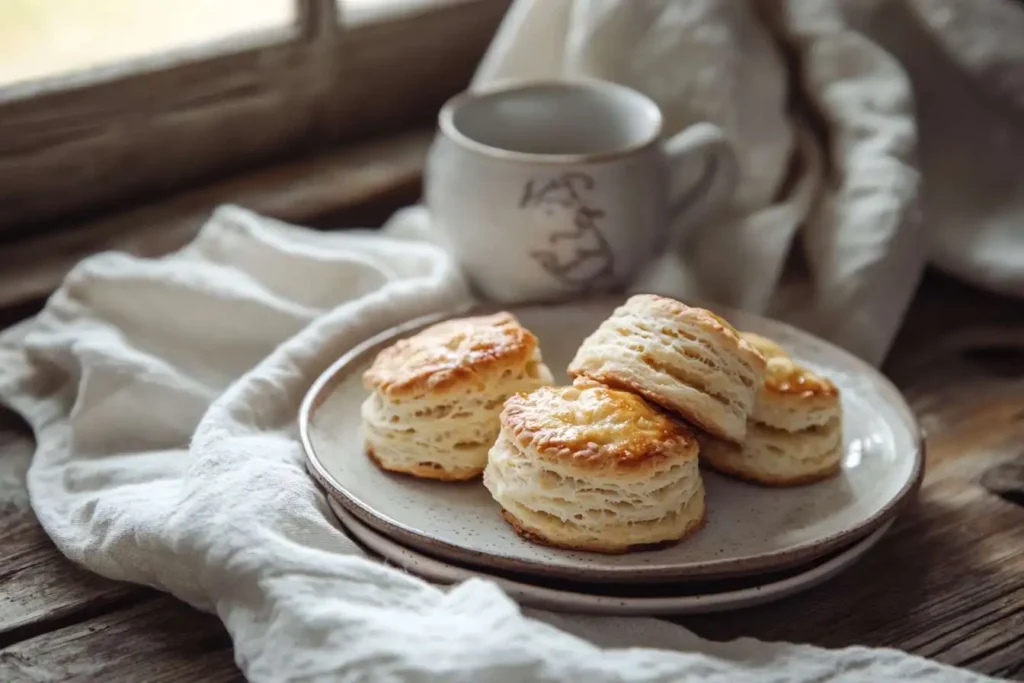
{"x":965,"y":59}
{"x":889,"y":138}
{"x":163,"y":394}
{"x":848,"y":196}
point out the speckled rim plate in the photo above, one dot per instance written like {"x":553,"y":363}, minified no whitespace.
{"x":718,"y":599}
{"x":750,"y":530}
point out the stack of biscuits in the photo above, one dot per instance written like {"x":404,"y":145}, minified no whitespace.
{"x":609,"y":463}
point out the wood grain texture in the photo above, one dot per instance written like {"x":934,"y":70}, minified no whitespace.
{"x":39,"y":586}
{"x":165,"y":125}
{"x":158,"y":641}
{"x":302,"y":192}
{"x":65,"y":150}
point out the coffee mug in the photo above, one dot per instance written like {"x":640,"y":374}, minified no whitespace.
{"x":549,"y":189}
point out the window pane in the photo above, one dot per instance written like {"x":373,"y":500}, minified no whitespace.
{"x":41,"y":38}
{"x":368,"y":11}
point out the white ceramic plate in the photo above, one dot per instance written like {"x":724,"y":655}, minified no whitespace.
{"x":749,"y":529}
{"x":544,"y":597}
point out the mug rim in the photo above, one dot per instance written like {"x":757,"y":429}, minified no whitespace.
{"x":446,"y":119}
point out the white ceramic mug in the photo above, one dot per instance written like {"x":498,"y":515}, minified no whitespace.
{"x":555,"y":188}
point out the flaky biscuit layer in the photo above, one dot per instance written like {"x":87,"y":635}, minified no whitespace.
{"x":774,"y":457}
{"x":594,"y":469}
{"x":792,"y":397}
{"x":435,"y":400}
{"x":687,"y":360}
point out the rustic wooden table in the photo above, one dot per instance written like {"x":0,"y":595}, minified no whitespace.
{"x":947,"y":581}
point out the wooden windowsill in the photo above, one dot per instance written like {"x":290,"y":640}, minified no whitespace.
{"x":355,"y":185}
{"x":161,"y":123}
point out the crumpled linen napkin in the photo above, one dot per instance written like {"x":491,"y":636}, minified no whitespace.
{"x":965,"y":59}
{"x":823,"y":125}
{"x":163,"y":395}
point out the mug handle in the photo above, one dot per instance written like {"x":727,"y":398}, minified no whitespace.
{"x":706,"y":145}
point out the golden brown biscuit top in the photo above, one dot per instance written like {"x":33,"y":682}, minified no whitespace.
{"x":450,"y":353}
{"x":593,"y":425}
{"x":640,"y":304}
{"x":785,"y":376}
{"x":765,"y":346}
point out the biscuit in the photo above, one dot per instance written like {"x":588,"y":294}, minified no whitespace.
{"x":794,"y":398}
{"x":687,"y":360}
{"x":436,"y":396}
{"x":794,"y":434}
{"x":764,"y":346}
{"x":587,"y":467}
{"x":773,"y":457}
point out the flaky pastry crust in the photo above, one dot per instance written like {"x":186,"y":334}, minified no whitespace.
{"x":792,"y":397}
{"x":784,"y":376}
{"x":763,"y":345}
{"x":711,"y":322}
{"x":610,"y":547}
{"x":686,"y":360}
{"x":452,"y":354}
{"x":594,"y":426}
{"x":775,"y":457}
{"x":426,"y":469}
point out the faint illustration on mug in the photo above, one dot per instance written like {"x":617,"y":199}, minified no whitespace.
{"x":578,"y":255}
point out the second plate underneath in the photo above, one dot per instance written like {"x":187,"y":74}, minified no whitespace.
{"x":669,"y":599}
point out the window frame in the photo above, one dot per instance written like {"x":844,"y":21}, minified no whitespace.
{"x":85,"y":142}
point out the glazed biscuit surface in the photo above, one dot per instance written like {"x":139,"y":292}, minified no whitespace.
{"x":595,"y":425}
{"x":763,"y":345}
{"x":592,"y":468}
{"x":785,"y":376}
{"x":454,"y":353}
{"x":792,"y":397}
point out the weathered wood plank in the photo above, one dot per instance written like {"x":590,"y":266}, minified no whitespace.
{"x":166,"y":125}
{"x":160,"y":640}
{"x":1007,"y":663}
{"x":936,"y":586}
{"x":52,"y":613}
{"x":300,"y":192}
{"x":38,"y":586}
